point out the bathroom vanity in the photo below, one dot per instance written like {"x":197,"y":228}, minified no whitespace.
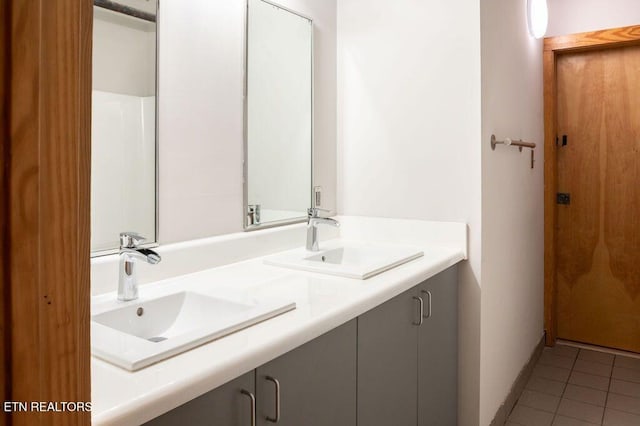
{"x":393,"y":365}
{"x":353,"y":351}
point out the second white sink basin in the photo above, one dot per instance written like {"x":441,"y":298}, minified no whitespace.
{"x":348,"y":259}
{"x":144,"y":332}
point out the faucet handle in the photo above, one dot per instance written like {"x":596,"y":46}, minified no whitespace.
{"x":314,"y":211}
{"x":131,"y":239}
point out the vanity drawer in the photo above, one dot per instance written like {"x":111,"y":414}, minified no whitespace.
{"x":228,"y":405}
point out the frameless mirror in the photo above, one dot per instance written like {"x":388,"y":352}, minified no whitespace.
{"x":278,"y":116}
{"x":123,"y":146}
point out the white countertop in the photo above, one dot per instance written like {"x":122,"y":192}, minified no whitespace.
{"x":323,"y":303}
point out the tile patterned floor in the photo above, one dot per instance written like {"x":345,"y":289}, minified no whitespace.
{"x":580,"y":387}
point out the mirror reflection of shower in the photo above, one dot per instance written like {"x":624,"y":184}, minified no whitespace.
{"x":123,"y":166}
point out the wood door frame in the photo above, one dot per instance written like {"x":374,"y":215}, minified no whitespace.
{"x":5,"y":383}
{"x":553,"y":47}
{"x":45,"y":161}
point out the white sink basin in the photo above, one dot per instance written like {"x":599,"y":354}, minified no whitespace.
{"x":348,"y":259}
{"x":147,"y":331}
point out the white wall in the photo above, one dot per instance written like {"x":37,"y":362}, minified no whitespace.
{"x":576,"y":16}
{"x":201,"y":114}
{"x":512,"y":201}
{"x":408,"y":131}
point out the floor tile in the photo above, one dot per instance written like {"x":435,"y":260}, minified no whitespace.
{"x":548,"y":358}
{"x":530,"y":416}
{"x":568,"y":421}
{"x":584,"y":394}
{"x":625,"y":388}
{"x":627,"y":362}
{"x":580,"y":387}
{"x":580,"y":410}
{"x":539,"y":401}
{"x":591,"y":367}
{"x":620,"y":418}
{"x":623,"y":403}
{"x":626,"y":374}
{"x":551,"y":387}
{"x":589,"y":380}
{"x":595,"y":356}
{"x":551,"y":373}
{"x":563,"y":350}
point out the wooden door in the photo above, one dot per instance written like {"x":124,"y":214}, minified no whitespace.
{"x":388,"y":363}
{"x":598,"y":233}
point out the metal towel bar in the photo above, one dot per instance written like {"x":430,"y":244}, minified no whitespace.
{"x":519,"y":143}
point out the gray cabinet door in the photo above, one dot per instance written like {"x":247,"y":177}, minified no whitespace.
{"x":223,"y":406}
{"x":387,"y":363}
{"x":317,"y":382}
{"x":438,"y":351}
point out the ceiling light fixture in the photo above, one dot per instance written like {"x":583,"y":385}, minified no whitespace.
{"x":537,"y":17}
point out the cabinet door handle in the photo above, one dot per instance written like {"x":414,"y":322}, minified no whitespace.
{"x":275,"y":419}
{"x":252,"y":397}
{"x":428,"y":293}
{"x":421,"y":304}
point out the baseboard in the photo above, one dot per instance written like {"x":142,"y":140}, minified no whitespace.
{"x":518,"y":386}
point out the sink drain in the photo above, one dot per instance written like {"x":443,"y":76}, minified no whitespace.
{"x":156,"y":339}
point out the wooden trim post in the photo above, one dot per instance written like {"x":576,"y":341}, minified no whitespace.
{"x":45,"y":198}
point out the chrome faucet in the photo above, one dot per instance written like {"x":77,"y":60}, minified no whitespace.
{"x":129,"y":252}
{"x":253,"y":214}
{"x":313,"y":220}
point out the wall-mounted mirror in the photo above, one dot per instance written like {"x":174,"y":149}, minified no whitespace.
{"x":123,"y":157}
{"x":278,"y":115}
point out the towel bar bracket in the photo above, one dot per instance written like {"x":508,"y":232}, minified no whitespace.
{"x":517,"y":143}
